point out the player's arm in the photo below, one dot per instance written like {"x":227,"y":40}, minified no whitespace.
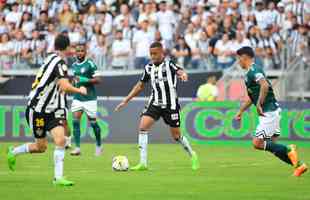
{"x":179,"y":71}
{"x":264,"y":86}
{"x":135,"y":90}
{"x":182,"y":74}
{"x":61,"y":72}
{"x":65,"y":86}
{"x":85,"y":80}
{"x":133,"y":93}
{"x":95,"y":79}
{"x":245,"y":105}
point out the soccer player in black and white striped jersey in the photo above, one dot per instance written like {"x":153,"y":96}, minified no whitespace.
{"x":46,"y":110}
{"x":163,"y":102}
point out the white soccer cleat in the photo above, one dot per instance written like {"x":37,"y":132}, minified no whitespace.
{"x":98,"y":151}
{"x":75,"y":152}
{"x":68,"y":144}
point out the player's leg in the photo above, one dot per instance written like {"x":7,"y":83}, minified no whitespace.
{"x":77,"y":133}
{"x":58,"y":134}
{"x":67,"y":135}
{"x":39,"y":146}
{"x":145,"y":125}
{"x":266,"y":136}
{"x":37,"y":122}
{"x":90,"y":107}
{"x":148,"y":117}
{"x":181,"y":139}
{"x":97,"y":132}
{"x":172,"y":118}
{"x":77,"y":110}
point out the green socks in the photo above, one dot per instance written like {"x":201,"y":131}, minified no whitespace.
{"x":278,"y":150}
{"x":77,"y":133}
{"x":97,"y":131}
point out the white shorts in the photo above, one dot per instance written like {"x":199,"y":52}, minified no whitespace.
{"x":89,"y":107}
{"x":269,"y":125}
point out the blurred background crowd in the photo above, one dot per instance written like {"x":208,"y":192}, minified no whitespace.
{"x":197,"y":34}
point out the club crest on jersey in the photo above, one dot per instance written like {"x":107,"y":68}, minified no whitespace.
{"x":39,"y":132}
{"x":83,"y":70}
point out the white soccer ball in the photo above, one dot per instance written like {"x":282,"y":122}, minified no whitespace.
{"x":120,"y":163}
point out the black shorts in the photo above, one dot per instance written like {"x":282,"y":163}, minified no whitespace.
{"x":41,"y":123}
{"x":170,"y":116}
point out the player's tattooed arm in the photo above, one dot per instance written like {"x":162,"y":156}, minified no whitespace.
{"x":65,"y":86}
{"x":243,"y":108}
{"x":134,"y":92}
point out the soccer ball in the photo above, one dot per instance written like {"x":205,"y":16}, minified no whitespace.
{"x":120,"y":163}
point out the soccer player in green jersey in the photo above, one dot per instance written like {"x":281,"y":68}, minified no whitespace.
{"x":85,"y":74}
{"x":262,"y":96}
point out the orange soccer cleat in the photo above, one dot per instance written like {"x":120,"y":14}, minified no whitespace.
{"x":300,"y":170}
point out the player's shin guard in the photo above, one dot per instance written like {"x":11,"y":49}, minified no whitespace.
{"x":184,"y":142}
{"x":97,"y":131}
{"x":77,"y":132}
{"x":59,"y":155}
{"x":143,"y":140}
{"x":278,"y":150}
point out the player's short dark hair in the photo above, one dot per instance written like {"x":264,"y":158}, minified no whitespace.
{"x":61,"y":42}
{"x":156,"y":45}
{"x":246,"y":51}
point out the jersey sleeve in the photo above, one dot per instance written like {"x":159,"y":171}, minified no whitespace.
{"x":61,"y":70}
{"x":174,"y":67}
{"x":94,"y":69}
{"x":145,"y":75}
{"x":258,"y":75}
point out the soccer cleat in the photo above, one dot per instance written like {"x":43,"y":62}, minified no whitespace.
{"x":300,"y":170}
{"x":75,"y":152}
{"x":68,"y":144}
{"x":11,"y":158}
{"x":293,"y":155}
{"x":139,"y":167}
{"x":98,"y":151}
{"x":195,"y":161}
{"x":62,"y":182}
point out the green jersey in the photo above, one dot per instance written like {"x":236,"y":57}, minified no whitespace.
{"x":86,"y":69}
{"x":252,"y":78}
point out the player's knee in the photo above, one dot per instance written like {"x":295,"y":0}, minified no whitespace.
{"x":60,"y":141}
{"x":258,"y":144}
{"x":41,"y":148}
{"x":176,"y":139}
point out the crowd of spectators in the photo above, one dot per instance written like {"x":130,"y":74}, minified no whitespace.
{"x":197,"y":34}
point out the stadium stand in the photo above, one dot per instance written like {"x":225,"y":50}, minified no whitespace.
{"x":200,"y":35}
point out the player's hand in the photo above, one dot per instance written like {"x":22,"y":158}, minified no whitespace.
{"x":120,"y":106}
{"x":83,"y":90}
{"x":238,"y":116}
{"x":260,"y":110}
{"x":183,"y":76}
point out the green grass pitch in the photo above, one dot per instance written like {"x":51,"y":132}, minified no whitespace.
{"x":227,"y":172}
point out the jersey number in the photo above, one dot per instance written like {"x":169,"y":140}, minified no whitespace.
{"x":39,"y":122}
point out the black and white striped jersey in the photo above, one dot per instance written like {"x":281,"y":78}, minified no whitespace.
{"x":45,"y":95}
{"x":164,"y":82}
